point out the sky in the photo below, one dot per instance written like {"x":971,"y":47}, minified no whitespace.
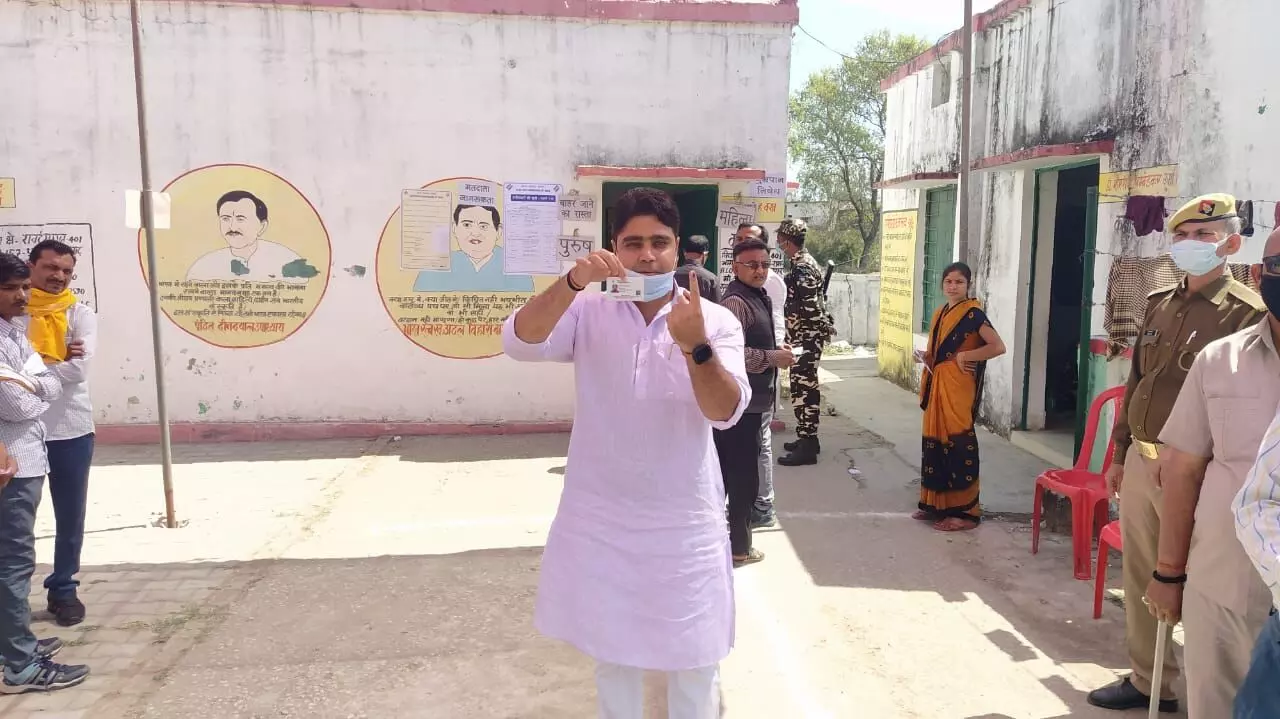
{"x":842,"y":23}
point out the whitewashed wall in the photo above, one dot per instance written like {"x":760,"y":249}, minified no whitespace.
{"x":352,"y":107}
{"x":854,"y":303}
{"x":1185,"y":82}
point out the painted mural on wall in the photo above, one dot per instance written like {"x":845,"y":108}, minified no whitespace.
{"x":460,"y":255}
{"x":897,"y":295}
{"x":19,"y":239}
{"x":245,"y":260}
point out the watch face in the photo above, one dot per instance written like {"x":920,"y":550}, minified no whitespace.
{"x":701,"y":353}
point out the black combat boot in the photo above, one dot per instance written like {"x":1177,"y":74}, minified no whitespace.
{"x":791,"y":446}
{"x":805,"y":452}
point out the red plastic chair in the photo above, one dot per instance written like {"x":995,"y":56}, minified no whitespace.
{"x":1109,"y":538}
{"x":1084,"y":489}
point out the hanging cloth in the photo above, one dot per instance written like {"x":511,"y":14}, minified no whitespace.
{"x":1146,"y":212}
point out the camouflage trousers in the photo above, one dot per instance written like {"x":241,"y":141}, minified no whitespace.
{"x":806,"y":399}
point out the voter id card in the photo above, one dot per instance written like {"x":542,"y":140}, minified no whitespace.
{"x":624,"y":289}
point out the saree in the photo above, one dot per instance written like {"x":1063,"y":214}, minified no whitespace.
{"x":949,"y":397}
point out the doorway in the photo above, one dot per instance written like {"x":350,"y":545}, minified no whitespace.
{"x":698,"y":205}
{"x":1068,"y":301}
{"x":1056,"y":390}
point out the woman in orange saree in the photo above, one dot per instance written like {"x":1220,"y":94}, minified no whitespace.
{"x":961,"y":340}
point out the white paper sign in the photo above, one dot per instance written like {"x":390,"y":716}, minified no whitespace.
{"x":571,"y":248}
{"x":578,"y":208}
{"x":161,"y":210}
{"x":531,"y":232}
{"x":773,"y":186}
{"x":425,"y":217}
{"x":734,"y":214}
{"x":19,"y":239}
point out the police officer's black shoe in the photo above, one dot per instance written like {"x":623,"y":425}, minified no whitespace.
{"x":805,"y":452}
{"x":1123,"y":695}
{"x":791,"y":446}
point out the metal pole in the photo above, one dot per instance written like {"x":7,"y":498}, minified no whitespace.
{"x":148,"y":226}
{"x":966,"y":92}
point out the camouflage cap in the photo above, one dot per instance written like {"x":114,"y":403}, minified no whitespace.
{"x":793,"y":227}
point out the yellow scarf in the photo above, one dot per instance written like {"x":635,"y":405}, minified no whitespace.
{"x":48,"y":327}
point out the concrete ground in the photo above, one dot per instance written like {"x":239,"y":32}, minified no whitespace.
{"x":395,"y":578}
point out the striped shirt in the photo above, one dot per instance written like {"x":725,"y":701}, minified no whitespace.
{"x":21,"y":430}
{"x":1257,"y":510}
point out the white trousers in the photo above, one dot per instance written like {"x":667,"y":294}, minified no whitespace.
{"x":691,"y":694}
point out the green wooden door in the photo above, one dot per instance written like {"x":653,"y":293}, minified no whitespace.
{"x":1084,"y":386}
{"x":939,"y":248}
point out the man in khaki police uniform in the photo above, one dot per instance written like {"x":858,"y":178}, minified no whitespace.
{"x":1206,"y":305}
{"x":1211,"y":441}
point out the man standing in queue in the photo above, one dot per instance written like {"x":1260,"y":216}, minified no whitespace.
{"x":763,"y":516}
{"x":1203,"y":575}
{"x":739,"y":446}
{"x":64,"y":332}
{"x":1208,"y":304}
{"x":808,"y":327}
{"x":693,"y":268}
{"x":637,"y":571}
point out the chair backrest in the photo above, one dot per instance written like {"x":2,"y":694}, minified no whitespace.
{"x":1114,"y":394}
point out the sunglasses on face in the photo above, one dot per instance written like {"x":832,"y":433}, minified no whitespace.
{"x":1271,"y":264}
{"x":756,"y":266}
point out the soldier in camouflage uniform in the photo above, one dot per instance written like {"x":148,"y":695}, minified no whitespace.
{"x":809,"y":327}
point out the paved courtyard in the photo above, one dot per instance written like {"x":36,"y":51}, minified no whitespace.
{"x":395,"y":578}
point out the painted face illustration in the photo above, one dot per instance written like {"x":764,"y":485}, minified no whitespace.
{"x":476,"y":231}
{"x":239,"y":223}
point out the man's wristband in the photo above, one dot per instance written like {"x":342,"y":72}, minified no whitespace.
{"x":1163,"y":579}
{"x":568,"y":280}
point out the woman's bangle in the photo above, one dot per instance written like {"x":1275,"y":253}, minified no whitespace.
{"x":568,"y":280}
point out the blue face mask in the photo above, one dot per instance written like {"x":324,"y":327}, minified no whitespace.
{"x":1195,"y":257}
{"x":655,"y":286}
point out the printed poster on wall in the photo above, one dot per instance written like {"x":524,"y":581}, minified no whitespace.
{"x":19,"y":239}
{"x":452,"y":266}
{"x":897,"y":295}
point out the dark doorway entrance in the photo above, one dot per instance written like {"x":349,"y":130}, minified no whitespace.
{"x":1069,"y":295}
{"x":698,"y":205}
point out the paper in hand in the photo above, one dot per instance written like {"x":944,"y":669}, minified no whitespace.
{"x":624,"y":289}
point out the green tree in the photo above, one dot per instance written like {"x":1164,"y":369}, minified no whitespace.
{"x":837,"y":139}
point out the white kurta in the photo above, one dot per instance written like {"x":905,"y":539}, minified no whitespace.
{"x":637,"y":570}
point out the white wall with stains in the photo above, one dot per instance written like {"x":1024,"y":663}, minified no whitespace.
{"x":351,"y":107}
{"x":1190,"y":83}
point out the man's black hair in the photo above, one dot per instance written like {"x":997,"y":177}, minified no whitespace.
{"x":13,"y":268}
{"x":698,"y":244}
{"x":764,"y":231}
{"x":260,"y":207}
{"x":748,"y":245}
{"x":497,"y":219}
{"x":60,"y":249}
{"x":646,"y":201}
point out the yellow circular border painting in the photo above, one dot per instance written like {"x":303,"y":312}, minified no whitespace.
{"x":440,"y":272}
{"x":245,"y":260}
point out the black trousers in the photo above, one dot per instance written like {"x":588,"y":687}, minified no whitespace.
{"x":739,"y":450}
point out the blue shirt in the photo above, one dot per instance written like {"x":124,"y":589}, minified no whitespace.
{"x":464,"y":277}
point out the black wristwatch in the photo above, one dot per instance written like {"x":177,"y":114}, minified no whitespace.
{"x":701,"y":354}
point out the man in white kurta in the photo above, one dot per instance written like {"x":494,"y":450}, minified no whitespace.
{"x":637,"y":570}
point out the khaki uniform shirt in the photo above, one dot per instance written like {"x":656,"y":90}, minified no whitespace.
{"x":1178,"y":324}
{"x":1229,"y":399}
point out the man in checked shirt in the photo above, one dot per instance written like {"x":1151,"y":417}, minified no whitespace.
{"x":26,"y":389}
{"x":739,"y":446}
